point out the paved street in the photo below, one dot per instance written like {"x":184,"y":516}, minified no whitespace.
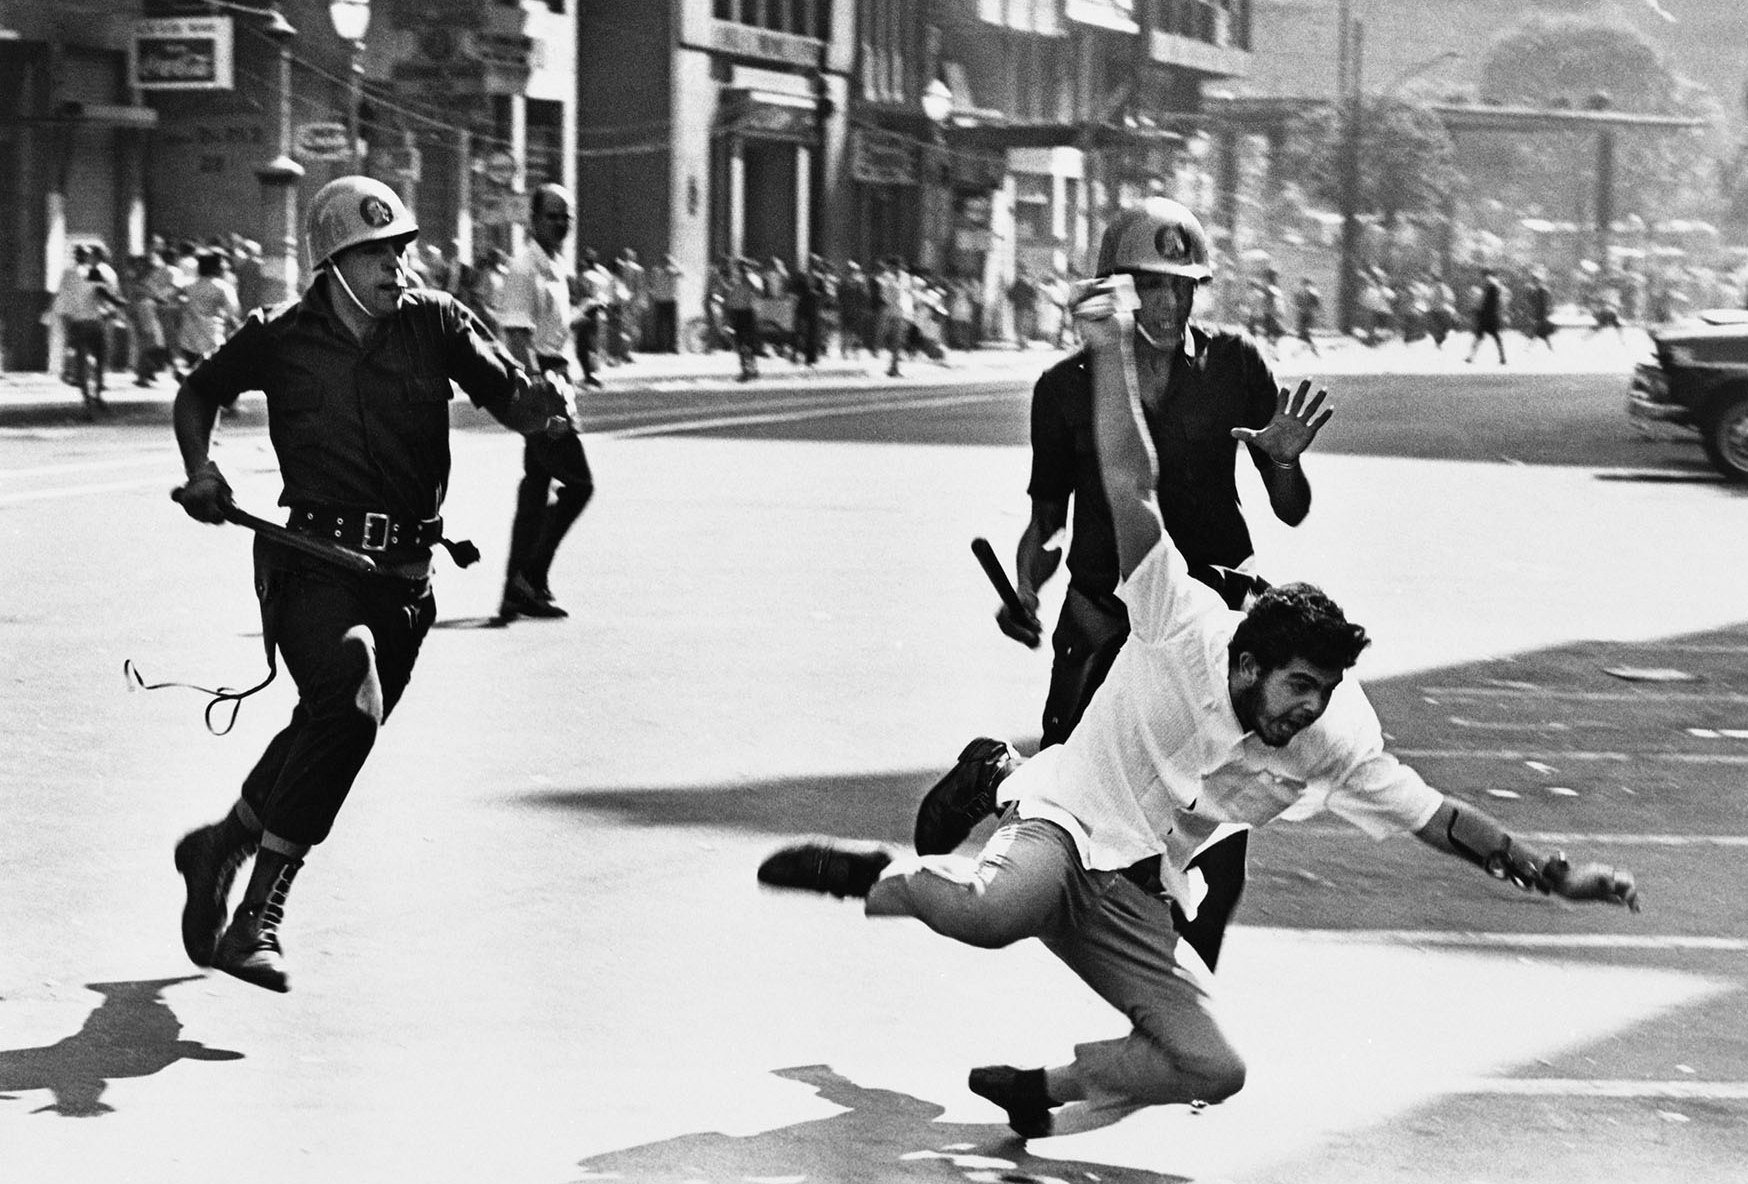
{"x":534,"y":951}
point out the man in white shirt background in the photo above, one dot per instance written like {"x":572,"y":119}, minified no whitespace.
{"x":536,"y":316}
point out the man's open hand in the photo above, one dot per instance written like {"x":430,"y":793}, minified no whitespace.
{"x":1595,"y":881}
{"x":1298,"y":417}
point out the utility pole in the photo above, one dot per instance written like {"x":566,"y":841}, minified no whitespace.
{"x":1352,"y":60}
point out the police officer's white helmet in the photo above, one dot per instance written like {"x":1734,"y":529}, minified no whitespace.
{"x":348,"y":211}
{"x":1162,"y":236}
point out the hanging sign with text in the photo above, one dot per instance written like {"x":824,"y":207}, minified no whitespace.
{"x":182,"y":53}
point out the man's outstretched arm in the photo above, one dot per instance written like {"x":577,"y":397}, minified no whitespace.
{"x":1127,"y":463}
{"x":1469,"y":832}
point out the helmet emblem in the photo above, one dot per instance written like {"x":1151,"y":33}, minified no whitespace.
{"x":1172,"y":243}
{"x":375,"y":212}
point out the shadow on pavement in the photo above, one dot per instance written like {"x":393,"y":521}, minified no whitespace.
{"x":133,"y":1033}
{"x":882,"y":1136}
{"x":863,"y":805}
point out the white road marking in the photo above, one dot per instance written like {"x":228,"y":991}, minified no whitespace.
{"x":797,"y":414}
{"x":1561,"y":838}
{"x":1586,"y":757}
{"x":1507,"y":725}
{"x":1471,"y":939}
{"x":1639,"y":840}
{"x":1544,"y":1087}
{"x":39,"y":495}
{"x":1517,"y":692}
{"x":134,"y":459}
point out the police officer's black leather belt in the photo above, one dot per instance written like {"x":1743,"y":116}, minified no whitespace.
{"x":373,"y":531}
{"x":367,"y":530}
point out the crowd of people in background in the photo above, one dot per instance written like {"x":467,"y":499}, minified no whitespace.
{"x":174,"y":304}
{"x":1482,"y":301}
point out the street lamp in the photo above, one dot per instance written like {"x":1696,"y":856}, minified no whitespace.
{"x":937,"y":102}
{"x":351,"y":20}
{"x":279,"y":178}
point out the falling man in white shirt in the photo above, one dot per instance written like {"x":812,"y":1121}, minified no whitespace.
{"x":1209,"y":715}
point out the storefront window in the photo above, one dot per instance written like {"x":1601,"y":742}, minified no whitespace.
{"x":804,"y":18}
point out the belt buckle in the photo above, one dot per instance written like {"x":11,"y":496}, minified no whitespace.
{"x":375,"y":532}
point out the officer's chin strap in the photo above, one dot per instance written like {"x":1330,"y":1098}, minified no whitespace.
{"x":136,"y":681}
{"x":347,"y":288}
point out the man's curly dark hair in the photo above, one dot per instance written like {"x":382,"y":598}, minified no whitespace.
{"x":1298,"y":621}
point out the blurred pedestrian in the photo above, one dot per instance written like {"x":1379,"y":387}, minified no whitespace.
{"x":897,"y":308}
{"x":664,"y":303}
{"x":537,"y":315}
{"x":1441,"y":316}
{"x":1489,"y":313}
{"x":357,"y":379}
{"x":1539,"y":309}
{"x":210,"y":311}
{"x":810,"y":298}
{"x":1023,"y":296}
{"x":852,"y":310}
{"x":96,"y":299}
{"x":596,"y":289}
{"x":634,"y":314}
{"x":740,"y":302}
{"x":1307,"y":310}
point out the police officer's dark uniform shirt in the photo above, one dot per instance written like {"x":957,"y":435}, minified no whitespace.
{"x":1225,"y":384}
{"x":365,"y":425}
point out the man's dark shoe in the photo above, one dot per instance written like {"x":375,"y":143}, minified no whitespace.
{"x":825,"y":865}
{"x":1018,"y":1091}
{"x":208,"y":859}
{"x":964,"y":797}
{"x":522,"y":599}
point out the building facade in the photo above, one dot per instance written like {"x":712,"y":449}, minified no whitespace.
{"x":74,"y":138}
{"x":125,"y":120}
{"x":713,"y":127}
{"x":990,"y":137}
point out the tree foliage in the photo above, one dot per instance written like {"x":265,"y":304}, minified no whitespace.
{"x":1579,"y":62}
{"x":1406,"y":160}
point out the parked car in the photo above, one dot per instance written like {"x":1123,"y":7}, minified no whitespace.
{"x":1699,"y":380}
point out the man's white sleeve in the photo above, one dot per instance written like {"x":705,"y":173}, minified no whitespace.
{"x":1162,"y":596}
{"x":518,"y":304}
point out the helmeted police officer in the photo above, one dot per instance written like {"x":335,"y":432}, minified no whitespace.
{"x":357,"y":378}
{"x":1203,"y":390}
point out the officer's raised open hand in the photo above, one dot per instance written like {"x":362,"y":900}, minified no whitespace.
{"x":1299,"y":416}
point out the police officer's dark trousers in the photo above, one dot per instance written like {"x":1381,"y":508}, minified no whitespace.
{"x":349,"y":643}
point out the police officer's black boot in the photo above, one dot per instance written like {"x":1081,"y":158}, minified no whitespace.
{"x":208,"y":859}
{"x":250,"y":949}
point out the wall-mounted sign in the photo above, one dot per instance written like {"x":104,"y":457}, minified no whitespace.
{"x":182,"y":53}
{"x":882,"y":159}
{"x":746,"y":41}
{"x":323,"y":141}
{"x":1117,"y":15}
